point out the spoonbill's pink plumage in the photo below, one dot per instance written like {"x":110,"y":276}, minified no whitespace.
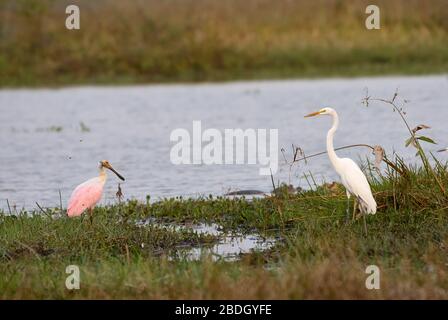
{"x":87,"y":194}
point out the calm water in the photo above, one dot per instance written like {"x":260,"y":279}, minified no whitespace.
{"x":229,"y":246}
{"x":44,"y":148}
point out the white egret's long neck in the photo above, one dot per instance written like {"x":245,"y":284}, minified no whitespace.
{"x":330,"y":148}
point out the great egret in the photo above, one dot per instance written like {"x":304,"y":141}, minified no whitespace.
{"x":353,"y":179}
{"x":87,"y":194}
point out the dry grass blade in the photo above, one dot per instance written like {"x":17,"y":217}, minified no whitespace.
{"x":420,"y":127}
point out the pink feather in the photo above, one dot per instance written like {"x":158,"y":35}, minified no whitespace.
{"x":85,"y":196}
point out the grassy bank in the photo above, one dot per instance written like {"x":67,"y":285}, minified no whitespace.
{"x":318,"y":255}
{"x":201,"y":40}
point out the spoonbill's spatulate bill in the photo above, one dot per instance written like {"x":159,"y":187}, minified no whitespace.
{"x":87,"y":194}
{"x":353,"y":179}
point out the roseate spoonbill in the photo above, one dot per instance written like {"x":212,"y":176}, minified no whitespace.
{"x":353,"y":179}
{"x":87,"y":194}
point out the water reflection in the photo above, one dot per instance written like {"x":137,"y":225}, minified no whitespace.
{"x":230,"y":245}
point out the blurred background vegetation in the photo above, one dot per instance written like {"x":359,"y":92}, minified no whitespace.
{"x":206,"y":40}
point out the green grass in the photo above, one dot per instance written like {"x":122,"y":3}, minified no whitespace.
{"x":318,"y":256}
{"x":125,"y":42}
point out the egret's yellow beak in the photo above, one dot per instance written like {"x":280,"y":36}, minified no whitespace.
{"x":313,"y":114}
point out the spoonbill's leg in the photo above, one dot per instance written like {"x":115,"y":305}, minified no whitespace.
{"x":91,"y":215}
{"x":347,"y":213}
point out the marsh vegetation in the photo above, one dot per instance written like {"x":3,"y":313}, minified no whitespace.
{"x":126,"y":252}
{"x":317,"y":254}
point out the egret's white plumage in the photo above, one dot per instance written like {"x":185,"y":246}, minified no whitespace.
{"x":353,"y":179}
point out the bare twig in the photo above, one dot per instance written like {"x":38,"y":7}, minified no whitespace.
{"x":388,"y":162}
{"x":9,"y":207}
{"x":272,"y":180}
{"x":48,"y":214}
{"x":40,"y":208}
{"x":297,"y":151}
{"x":412,"y":132}
{"x":60,"y":200}
{"x":119,"y":193}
